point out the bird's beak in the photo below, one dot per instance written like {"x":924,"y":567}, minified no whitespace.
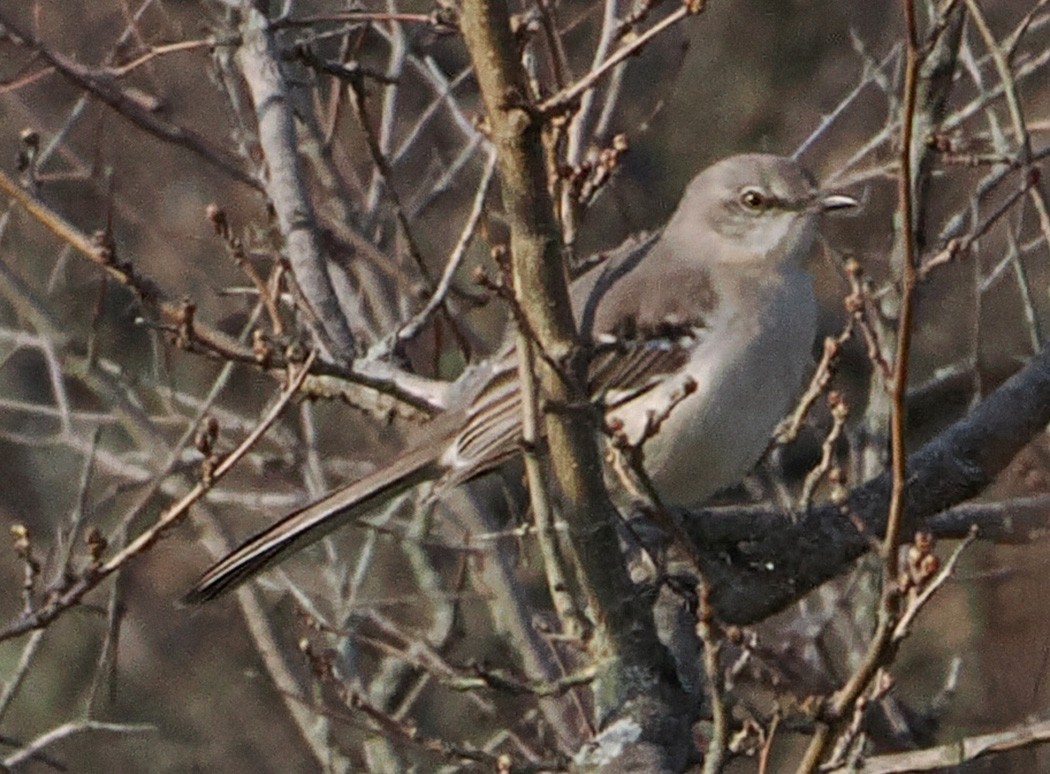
{"x":832,"y":202}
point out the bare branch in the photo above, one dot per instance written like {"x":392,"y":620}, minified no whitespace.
{"x":110,"y":93}
{"x":285,"y":185}
{"x":773,"y":562}
{"x":957,"y":753}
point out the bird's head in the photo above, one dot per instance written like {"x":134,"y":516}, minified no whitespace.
{"x":753,"y":209}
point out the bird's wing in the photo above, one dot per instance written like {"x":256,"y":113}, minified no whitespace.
{"x":639,"y":335}
{"x":620,"y":370}
{"x":492,"y":432}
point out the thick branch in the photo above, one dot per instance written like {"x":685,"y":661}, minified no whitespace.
{"x":759,"y":565}
{"x":625,"y":636}
{"x":285,"y":185}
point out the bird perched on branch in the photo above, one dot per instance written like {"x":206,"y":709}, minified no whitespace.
{"x":707,"y":324}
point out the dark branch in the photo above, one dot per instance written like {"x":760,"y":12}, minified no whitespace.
{"x":762,"y":562}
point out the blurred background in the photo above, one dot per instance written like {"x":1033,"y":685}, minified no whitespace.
{"x":94,"y":401}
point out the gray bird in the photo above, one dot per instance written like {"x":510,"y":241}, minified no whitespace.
{"x":720,"y":298}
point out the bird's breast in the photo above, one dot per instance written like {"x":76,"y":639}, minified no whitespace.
{"x":747,"y":371}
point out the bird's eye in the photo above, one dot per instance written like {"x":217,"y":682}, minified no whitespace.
{"x":752,"y":199}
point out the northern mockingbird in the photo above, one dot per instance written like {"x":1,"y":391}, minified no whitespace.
{"x":720,"y":298}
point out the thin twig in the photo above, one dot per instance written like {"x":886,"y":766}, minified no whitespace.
{"x":839,"y":414}
{"x":354,"y":17}
{"x":877,"y":651}
{"x":412,"y":328}
{"x":127,"y":106}
{"x":825,"y":123}
{"x":573,"y":621}
{"x":915,"y":606}
{"x":156,"y":51}
{"x":385,"y":173}
{"x":962,"y":245}
{"x":42,"y":616}
{"x":709,"y":632}
{"x":13,"y":683}
{"x":391,"y":90}
{"x":566,"y":97}
{"x":909,"y":278}
{"x":65,"y":730}
{"x":331,"y":379}
{"x":954,"y":754}
{"x":444,"y":95}
{"x":1013,"y":103}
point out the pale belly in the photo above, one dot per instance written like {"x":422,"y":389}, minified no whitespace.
{"x":748,"y":377}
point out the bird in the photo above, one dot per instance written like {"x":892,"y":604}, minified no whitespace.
{"x":708,"y":322}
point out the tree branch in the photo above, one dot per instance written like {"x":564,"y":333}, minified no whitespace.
{"x":285,"y":184}
{"x":761,"y":564}
{"x":632,"y":687}
{"x":103,"y":87}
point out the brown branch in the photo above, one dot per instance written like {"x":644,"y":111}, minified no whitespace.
{"x":930,"y":587}
{"x":776,"y":559}
{"x":103,"y":87}
{"x":840,"y":705}
{"x":632,"y":686}
{"x":566,"y":97}
{"x":155,"y":51}
{"x":930,"y":68}
{"x":906,"y":210}
{"x":954,"y":754}
{"x":839,"y":414}
{"x":66,"y":598}
{"x":329,"y":379}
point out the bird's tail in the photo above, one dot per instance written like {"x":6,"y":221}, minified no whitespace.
{"x":309,"y":524}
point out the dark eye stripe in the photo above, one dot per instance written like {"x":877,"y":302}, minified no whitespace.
{"x":755,"y":199}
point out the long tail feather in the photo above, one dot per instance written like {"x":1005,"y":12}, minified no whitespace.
{"x":309,"y":524}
